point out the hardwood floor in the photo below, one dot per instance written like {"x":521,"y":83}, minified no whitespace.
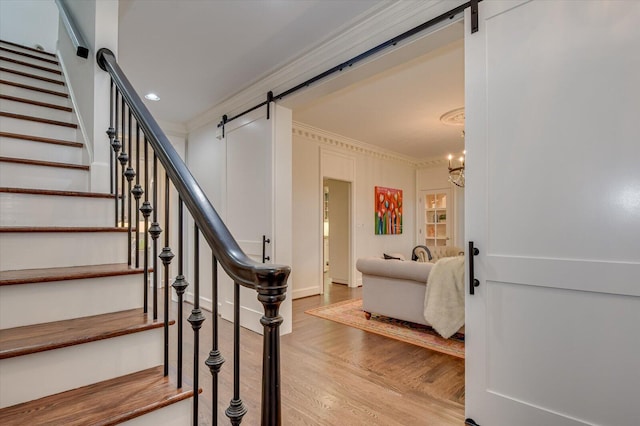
{"x":333,"y":374}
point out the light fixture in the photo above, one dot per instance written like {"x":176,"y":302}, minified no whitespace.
{"x":152,"y":97}
{"x":455,"y":118}
{"x":456,"y":174}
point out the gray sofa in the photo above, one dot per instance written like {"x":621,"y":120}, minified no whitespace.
{"x":394,"y":288}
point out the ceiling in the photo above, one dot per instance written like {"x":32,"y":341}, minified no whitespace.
{"x":196,"y":54}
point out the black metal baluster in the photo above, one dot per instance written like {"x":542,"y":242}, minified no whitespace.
{"x":116,"y":145}
{"x":111,"y":132}
{"x":137,"y":192}
{"x":215,"y":360}
{"x":236,"y":409}
{"x":180,"y":284}
{"x":129,"y":174}
{"x":124,"y":159}
{"x":155,"y":231}
{"x":146,"y":210}
{"x":196,"y":319}
{"x":166,"y":257}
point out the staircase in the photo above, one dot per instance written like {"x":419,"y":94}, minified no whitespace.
{"x":76,"y":347}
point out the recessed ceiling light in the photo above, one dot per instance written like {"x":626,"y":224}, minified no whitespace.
{"x":152,"y":97}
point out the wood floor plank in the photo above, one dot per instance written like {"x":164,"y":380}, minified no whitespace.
{"x":106,"y":403}
{"x":59,"y":334}
{"x":30,"y":276}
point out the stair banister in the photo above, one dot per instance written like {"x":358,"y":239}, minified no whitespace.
{"x":73,"y":30}
{"x":269,"y":281}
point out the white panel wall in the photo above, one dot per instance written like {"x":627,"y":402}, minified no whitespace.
{"x":370,"y":171}
{"x":29,"y":22}
{"x":89,"y":85}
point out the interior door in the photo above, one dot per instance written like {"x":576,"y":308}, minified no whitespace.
{"x":553,"y":204}
{"x":258,"y":193}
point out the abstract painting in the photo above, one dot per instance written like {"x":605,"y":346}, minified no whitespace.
{"x":388,"y":210}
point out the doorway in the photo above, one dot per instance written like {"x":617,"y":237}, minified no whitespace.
{"x":336,"y":232}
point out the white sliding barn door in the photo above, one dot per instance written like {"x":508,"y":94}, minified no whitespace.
{"x":553,"y":204}
{"x":258,"y":201}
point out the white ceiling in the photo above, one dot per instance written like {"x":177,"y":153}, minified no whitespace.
{"x":197,"y":54}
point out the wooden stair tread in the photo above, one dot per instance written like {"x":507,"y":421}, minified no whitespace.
{"x":43,"y":275}
{"x":36,"y":103}
{"x":35,"y":338}
{"x":7,"y":229}
{"x":37,"y":119}
{"x":55,"y":192}
{"x":30,"y":65}
{"x":35,"y":89}
{"x":34,"y":76}
{"x":105,"y":403}
{"x":44,"y":163}
{"x":41,"y":139}
{"x":44,"y":52}
{"x":28,"y":55}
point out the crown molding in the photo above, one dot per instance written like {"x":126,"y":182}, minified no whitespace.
{"x":338,"y":141}
{"x":430,"y":163}
{"x":358,"y":36}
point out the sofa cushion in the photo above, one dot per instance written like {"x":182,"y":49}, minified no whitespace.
{"x":414,"y":271}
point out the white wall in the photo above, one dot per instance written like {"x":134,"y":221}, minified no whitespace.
{"x":30,"y":23}
{"x":88,"y":84}
{"x":370,"y":169}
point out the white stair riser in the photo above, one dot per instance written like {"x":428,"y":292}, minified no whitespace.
{"x":37,"y":111}
{"x":178,"y":414}
{"x":39,"y":177}
{"x":29,"y":81}
{"x":45,"y":210}
{"x":45,"y":62}
{"x":31,"y":70}
{"x":20,"y":92}
{"x":62,"y":300}
{"x":31,"y":250}
{"x":31,"y":150}
{"x":27,"y":51}
{"x":37,"y":375}
{"x":33,"y":128}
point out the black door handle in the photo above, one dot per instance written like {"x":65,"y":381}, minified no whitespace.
{"x":473,"y":282}
{"x":265,"y":241}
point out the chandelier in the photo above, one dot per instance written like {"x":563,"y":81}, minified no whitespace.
{"x":456,"y":174}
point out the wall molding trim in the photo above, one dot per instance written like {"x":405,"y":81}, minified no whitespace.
{"x":354,"y":38}
{"x":344,"y":143}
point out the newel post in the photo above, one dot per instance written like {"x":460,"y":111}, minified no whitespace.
{"x":272,"y":290}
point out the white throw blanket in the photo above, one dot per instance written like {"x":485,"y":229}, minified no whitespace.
{"x":444,"y":297}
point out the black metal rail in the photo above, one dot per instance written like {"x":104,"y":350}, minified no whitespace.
{"x":268,"y":280}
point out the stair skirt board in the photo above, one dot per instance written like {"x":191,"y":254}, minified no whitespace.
{"x":31,"y":91}
{"x":40,"y":177}
{"x":178,"y":414}
{"x":62,"y":300}
{"x":26,"y":108}
{"x":34,"y":376}
{"x":61,"y":249}
{"x":34,"y":128}
{"x":43,"y":151}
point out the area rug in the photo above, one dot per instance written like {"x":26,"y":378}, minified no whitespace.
{"x":350,"y":313}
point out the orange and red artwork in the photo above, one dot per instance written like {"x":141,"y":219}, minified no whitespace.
{"x":388,"y":210}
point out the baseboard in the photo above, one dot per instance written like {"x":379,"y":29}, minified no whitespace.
{"x":205,"y":303}
{"x":344,"y":281}
{"x":304,"y":292}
